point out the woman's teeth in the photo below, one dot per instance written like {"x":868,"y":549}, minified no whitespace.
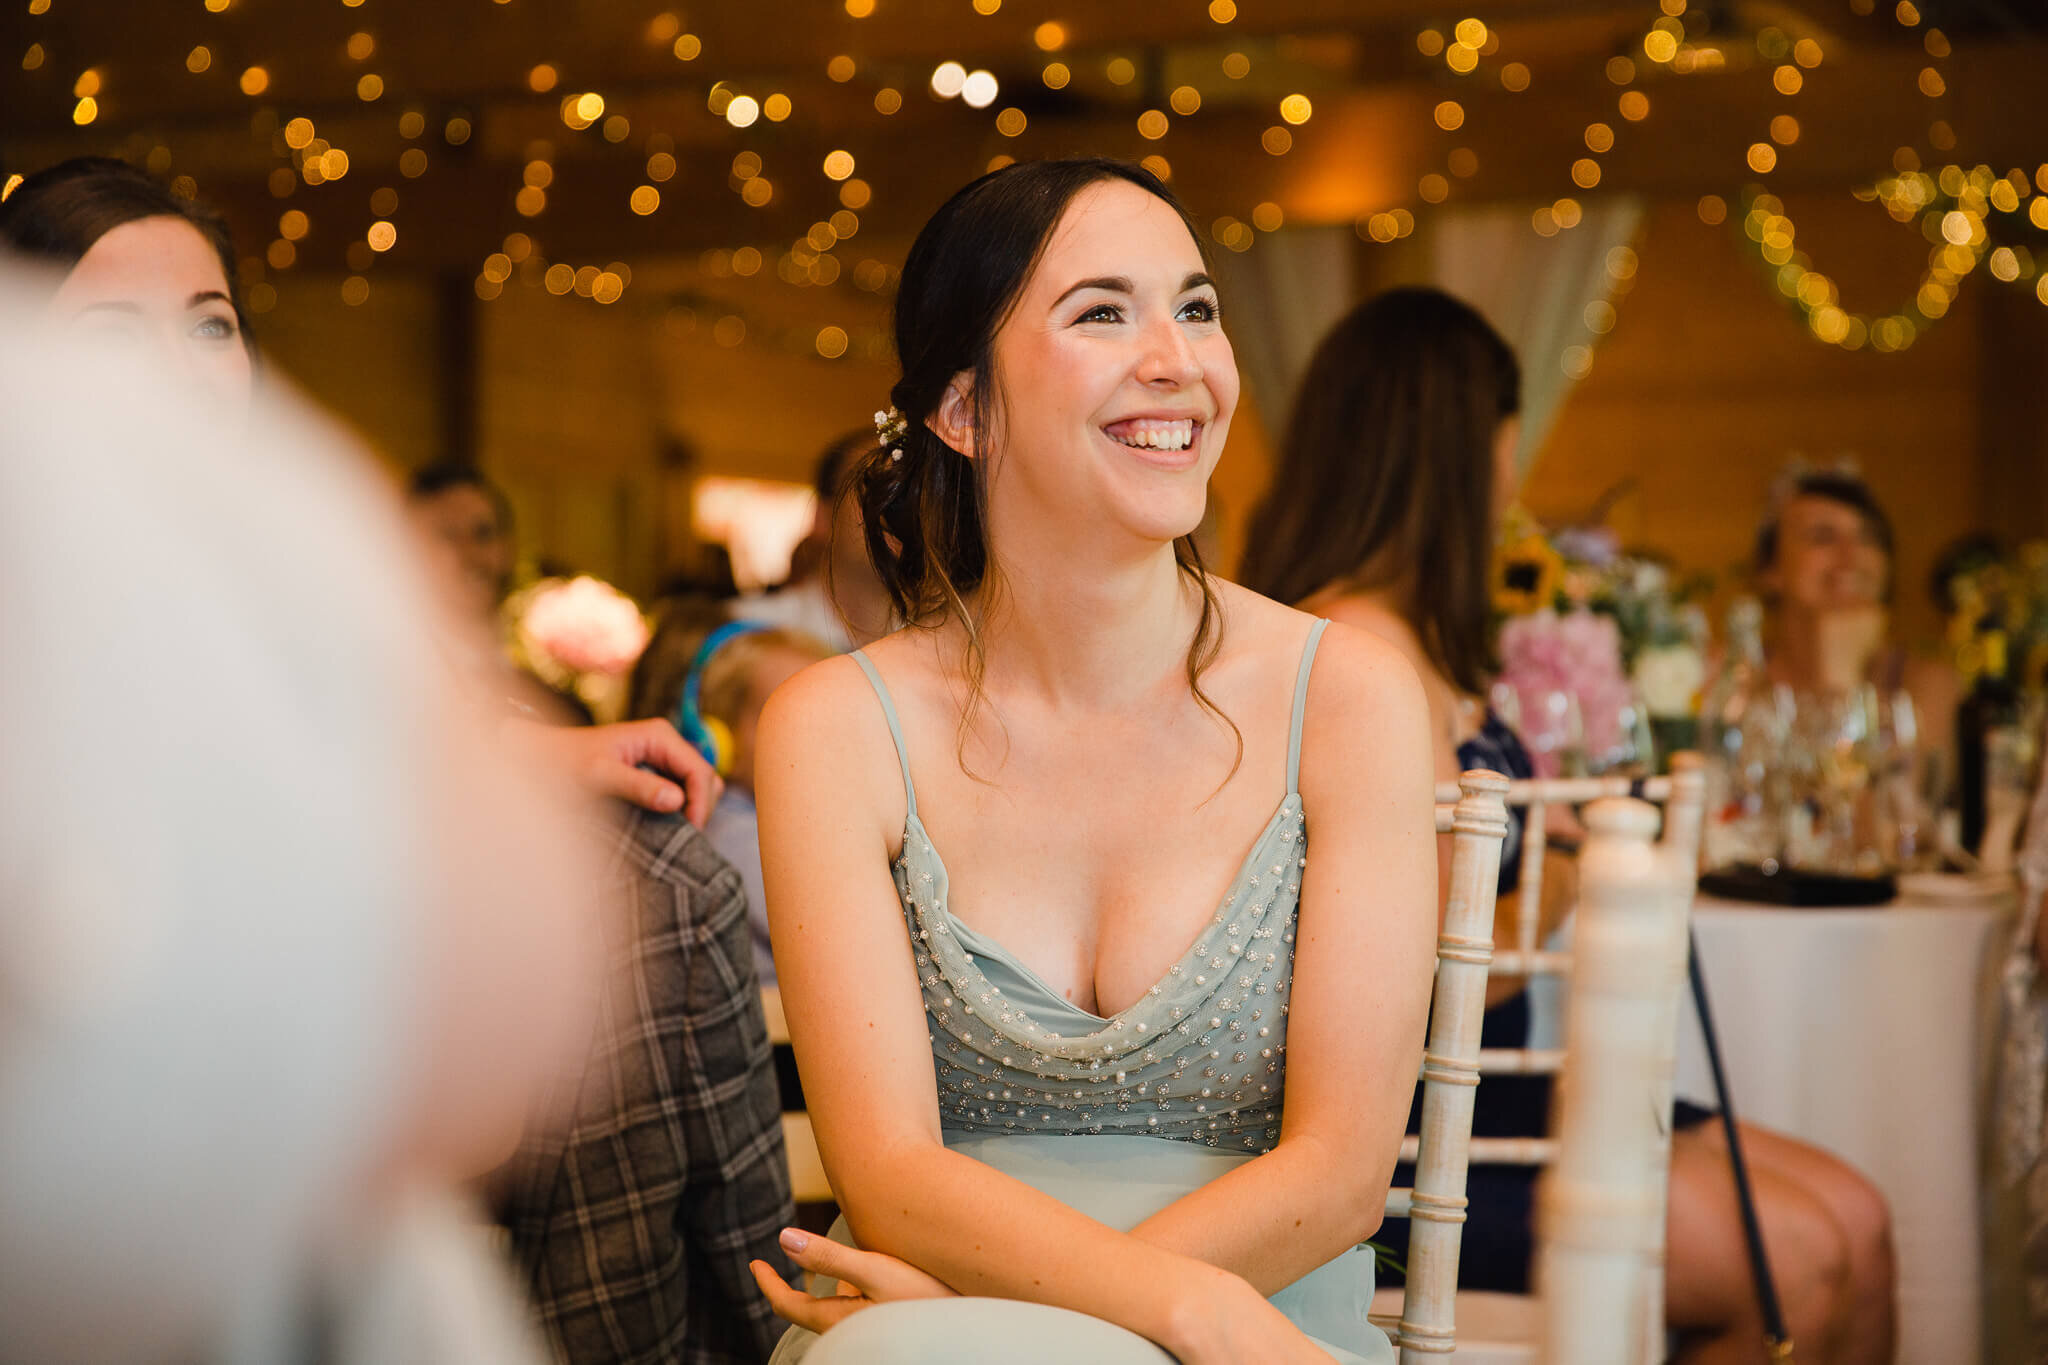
{"x":1153,"y":435}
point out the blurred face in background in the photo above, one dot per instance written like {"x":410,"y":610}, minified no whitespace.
{"x":1829,"y":557}
{"x":470,"y":537}
{"x":155,"y":284}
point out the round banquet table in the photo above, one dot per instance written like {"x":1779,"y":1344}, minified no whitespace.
{"x":1861,"y":1031}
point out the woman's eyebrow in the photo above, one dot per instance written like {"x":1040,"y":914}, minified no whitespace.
{"x":1114,"y":284}
{"x":1120,"y":284}
{"x":205,"y":296}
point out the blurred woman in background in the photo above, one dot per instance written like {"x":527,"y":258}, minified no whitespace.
{"x":140,"y":267}
{"x":1384,"y":509}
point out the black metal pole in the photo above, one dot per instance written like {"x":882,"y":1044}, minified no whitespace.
{"x":1776,"y":1342}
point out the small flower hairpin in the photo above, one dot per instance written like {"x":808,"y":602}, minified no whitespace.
{"x":890,"y":427}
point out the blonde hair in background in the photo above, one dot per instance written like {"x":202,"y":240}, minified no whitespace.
{"x":728,"y":685}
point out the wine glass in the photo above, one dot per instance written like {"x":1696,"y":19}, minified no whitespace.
{"x":1634,"y":751}
{"x":1905,"y":806}
{"x":1554,"y":731}
{"x":1832,"y":761}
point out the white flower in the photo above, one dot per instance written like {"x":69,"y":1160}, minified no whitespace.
{"x":1669,"y":678}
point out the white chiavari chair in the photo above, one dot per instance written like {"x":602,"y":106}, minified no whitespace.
{"x":1473,"y":814}
{"x":1601,"y":1206}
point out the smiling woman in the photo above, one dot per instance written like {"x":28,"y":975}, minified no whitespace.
{"x":1097,"y":1083}
{"x":926,"y":514}
{"x":142,"y":265}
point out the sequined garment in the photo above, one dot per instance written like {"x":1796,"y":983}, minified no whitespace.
{"x":2016,"y":1169}
{"x":1201,"y":1057}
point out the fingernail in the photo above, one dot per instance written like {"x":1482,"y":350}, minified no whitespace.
{"x":794,"y":1240}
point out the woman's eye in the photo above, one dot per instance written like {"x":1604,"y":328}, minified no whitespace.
{"x":114,"y":326}
{"x":1101,"y":312}
{"x":1199,"y":310}
{"x":214,"y":329}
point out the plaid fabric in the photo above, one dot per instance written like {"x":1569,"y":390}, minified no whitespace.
{"x":633,"y":1222}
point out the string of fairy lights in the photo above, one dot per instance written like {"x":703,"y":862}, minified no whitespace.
{"x":1966,"y":213}
{"x":1952,"y":205}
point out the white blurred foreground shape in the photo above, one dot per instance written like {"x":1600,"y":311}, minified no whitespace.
{"x":287,"y":947}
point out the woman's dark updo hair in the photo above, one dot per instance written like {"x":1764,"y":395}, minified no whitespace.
{"x":924,"y":516}
{"x":1385,"y":476}
{"x":57,"y":214}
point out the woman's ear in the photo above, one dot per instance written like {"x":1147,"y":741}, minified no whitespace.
{"x":952,"y":421}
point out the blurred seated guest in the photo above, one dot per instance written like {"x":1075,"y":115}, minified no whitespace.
{"x":289,"y":941}
{"x":470,"y":518}
{"x":712,"y":677}
{"x":1823,"y":561}
{"x":139,"y":269}
{"x":467,"y":522}
{"x":1823,"y":565}
{"x":833,"y":593}
{"x":706,"y":571}
{"x":633,"y":1224}
{"x":1396,"y":468}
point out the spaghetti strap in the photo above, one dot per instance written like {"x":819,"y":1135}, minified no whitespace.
{"x":1308,"y":658}
{"x":896,"y":729}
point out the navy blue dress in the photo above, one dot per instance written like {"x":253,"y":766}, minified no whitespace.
{"x":1500,"y":1226}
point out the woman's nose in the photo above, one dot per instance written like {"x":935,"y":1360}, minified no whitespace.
{"x":1169,"y":356}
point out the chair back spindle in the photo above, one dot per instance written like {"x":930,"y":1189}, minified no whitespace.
{"x":1450,"y":1070}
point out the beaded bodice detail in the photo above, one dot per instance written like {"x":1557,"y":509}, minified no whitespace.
{"x":1201,"y":1056}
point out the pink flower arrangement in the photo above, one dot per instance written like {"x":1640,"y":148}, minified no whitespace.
{"x":582,"y":627}
{"x":1547,"y":658}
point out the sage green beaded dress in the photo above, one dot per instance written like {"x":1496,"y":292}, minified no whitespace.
{"x":1117,"y":1117}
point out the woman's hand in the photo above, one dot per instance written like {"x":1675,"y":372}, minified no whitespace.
{"x":1233,"y":1322}
{"x":865,"y":1278}
{"x":606,"y":760}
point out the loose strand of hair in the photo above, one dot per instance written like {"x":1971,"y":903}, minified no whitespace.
{"x":1203,"y":649}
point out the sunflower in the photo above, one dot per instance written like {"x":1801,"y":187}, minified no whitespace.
{"x":1526,"y":575}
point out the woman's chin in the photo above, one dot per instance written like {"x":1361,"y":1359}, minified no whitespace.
{"x":1163,"y":529}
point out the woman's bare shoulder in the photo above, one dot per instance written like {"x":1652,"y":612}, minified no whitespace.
{"x":828,"y":720}
{"x":1353,"y":660}
{"x":824,"y":731}
{"x":1364,"y":672}
{"x":1258,"y":622}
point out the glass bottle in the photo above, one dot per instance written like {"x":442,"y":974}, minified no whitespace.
{"x":1741,"y":734}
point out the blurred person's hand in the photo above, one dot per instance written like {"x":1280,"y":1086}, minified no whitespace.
{"x":629,"y":760}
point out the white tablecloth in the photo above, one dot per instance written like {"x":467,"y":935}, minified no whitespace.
{"x":1858,"y":1031}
